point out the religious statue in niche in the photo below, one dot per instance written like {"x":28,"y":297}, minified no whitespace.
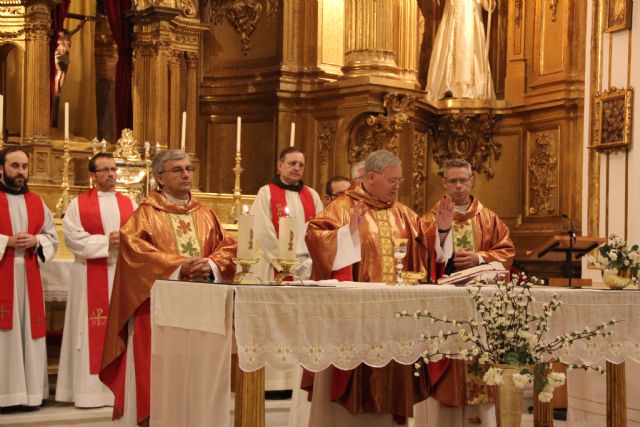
{"x":459,"y":65}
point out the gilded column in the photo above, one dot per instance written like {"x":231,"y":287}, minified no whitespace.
{"x":35,"y":118}
{"x":616,"y":395}
{"x":407,"y":40}
{"x":192,"y":100}
{"x":175,"y":112}
{"x":369,"y":38}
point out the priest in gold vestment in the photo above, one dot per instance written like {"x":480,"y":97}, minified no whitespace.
{"x":460,"y":229}
{"x":170,"y":236}
{"x":352,"y":239}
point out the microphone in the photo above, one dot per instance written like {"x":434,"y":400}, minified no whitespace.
{"x":571,"y":231}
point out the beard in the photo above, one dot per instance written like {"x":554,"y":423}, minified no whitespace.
{"x":12,"y":182}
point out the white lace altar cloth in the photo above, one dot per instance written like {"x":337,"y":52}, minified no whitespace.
{"x":55,"y":279}
{"x":345,"y":326}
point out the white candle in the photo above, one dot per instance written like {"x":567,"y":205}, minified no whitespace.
{"x":1,"y":116}
{"x":183,"y":133}
{"x":287,"y":237}
{"x":292,"y":137}
{"x":66,"y":120}
{"x":246,"y":235}
{"x":238,"y":126}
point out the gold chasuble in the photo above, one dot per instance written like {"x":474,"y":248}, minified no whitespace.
{"x":153,"y":244}
{"x":393,"y":389}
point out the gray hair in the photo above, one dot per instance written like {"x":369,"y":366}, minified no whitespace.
{"x":457,"y":163}
{"x":380,"y":160}
{"x":357,"y":166}
{"x":157,"y":166}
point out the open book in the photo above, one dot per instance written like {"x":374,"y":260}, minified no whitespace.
{"x":485,"y":272}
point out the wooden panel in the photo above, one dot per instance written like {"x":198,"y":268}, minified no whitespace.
{"x":542,"y":175}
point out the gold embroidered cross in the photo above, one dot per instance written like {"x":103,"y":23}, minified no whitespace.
{"x":278,"y":210}
{"x":2,"y":311}
{"x":97,"y":318}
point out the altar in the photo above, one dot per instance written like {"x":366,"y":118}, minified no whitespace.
{"x":340,"y":324}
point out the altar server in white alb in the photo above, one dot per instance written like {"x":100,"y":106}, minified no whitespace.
{"x":91,"y":230}
{"x":285,"y":196}
{"x":27,"y":233}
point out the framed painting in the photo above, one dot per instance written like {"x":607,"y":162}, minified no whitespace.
{"x":617,"y":15}
{"x":613,"y":114}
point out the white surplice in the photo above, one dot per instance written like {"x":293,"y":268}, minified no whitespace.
{"x":75,"y":383}
{"x":267,"y":243}
{"x":23,"y":360}
{"x":459,"y":61}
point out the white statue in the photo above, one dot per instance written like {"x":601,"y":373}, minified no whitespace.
{"x":459,"y":65}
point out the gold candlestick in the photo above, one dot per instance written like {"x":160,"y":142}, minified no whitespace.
{"x":237,"y":194}
{"x":287,"y":265}
{"x":246,"y":264}
{"x":63,"y":201}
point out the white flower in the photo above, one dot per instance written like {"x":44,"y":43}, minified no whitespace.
{"x":555,"y":379}
{"x":544,"y":396}
{"x":493,"y":376}
{"x":520,"y":380}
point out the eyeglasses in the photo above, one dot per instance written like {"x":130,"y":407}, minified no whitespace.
{"x":293,"y":164}
{"x":179,"y":171}
{"x":454,"y":181}
{"x":392,"y":181}
{"x":106,"y":170}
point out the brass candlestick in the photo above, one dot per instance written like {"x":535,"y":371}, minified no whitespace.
{"x":237,"y":194}
{"x":63,"y":201}
{"x":246,"y":264}
{"x":287,"y":265}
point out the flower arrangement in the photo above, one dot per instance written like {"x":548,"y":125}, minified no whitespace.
{"x":615,"y":257}
{"x":506,"y":332}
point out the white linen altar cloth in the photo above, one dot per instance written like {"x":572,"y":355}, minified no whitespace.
{"x":190,"y":354}
{"x":350,"y":324}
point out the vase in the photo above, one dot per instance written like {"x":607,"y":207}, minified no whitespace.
{"x":617,"y":281}
{"x":509,"y":398}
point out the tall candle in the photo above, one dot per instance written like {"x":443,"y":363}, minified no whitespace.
{"x":246,"y":235}
{"x":183,"y":133}
{"x":287,"y":237}
{"x":66,"y":120}
{"x":238,"y":126}
{"x":292,"y":137}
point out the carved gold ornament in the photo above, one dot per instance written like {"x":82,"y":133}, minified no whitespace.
{"x":467,"y":136}
{"x":243,"y":15}
{"x":542,"y":176}
{"x":373,"y":133}
{"x":612,"y":120}
{"x":418,"y":175}
{"x":127,"y":146}
{"x":618,"y":15}
{"x":326,"y":137}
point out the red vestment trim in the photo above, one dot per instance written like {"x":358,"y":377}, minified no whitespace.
{"x":35,"y":221}
{"x":279,"y":202}
{"x":97,"y":273}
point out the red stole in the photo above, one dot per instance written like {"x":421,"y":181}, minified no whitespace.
{"x":35,"y":221}
{"x":97,"y":273}
{"x":279,"y":202}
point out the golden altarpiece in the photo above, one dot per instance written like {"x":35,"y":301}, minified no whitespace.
{"x":352,"y":84}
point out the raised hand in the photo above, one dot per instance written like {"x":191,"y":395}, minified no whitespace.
{"x":444,"y":213}
{"x":356,"y":217}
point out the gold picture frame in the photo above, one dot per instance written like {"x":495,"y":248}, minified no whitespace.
{"x":613,"y":115}
{"x":617,"y":15}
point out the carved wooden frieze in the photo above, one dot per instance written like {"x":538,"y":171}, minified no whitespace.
{"x":418,"y":175}
{"x":467,"y":136}
{"x":543,"y":163}
{"x":243,"y":15}
{"x":518,"y":13}
{"x":381,"y":131}
{"x":327,"y":131}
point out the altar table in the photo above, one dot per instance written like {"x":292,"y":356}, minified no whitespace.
{"x":347,"y":324}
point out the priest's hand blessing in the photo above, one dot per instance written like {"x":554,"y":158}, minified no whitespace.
{"x":356,"y":217}
{"x":444,"y":214}
{"x":195,"y":268}
{"x":22,"y":241}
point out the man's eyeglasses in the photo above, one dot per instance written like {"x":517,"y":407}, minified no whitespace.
{"x":179,"y":171}
{"x":106,"y":170}
{"x":454,"y":181}
{"x":293,"y":164}
{"x":392,"y":181}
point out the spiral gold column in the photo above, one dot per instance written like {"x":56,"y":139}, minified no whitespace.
{"x":369,"y":38}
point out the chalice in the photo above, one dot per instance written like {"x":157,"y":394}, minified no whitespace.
{"x":399,"y":253}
